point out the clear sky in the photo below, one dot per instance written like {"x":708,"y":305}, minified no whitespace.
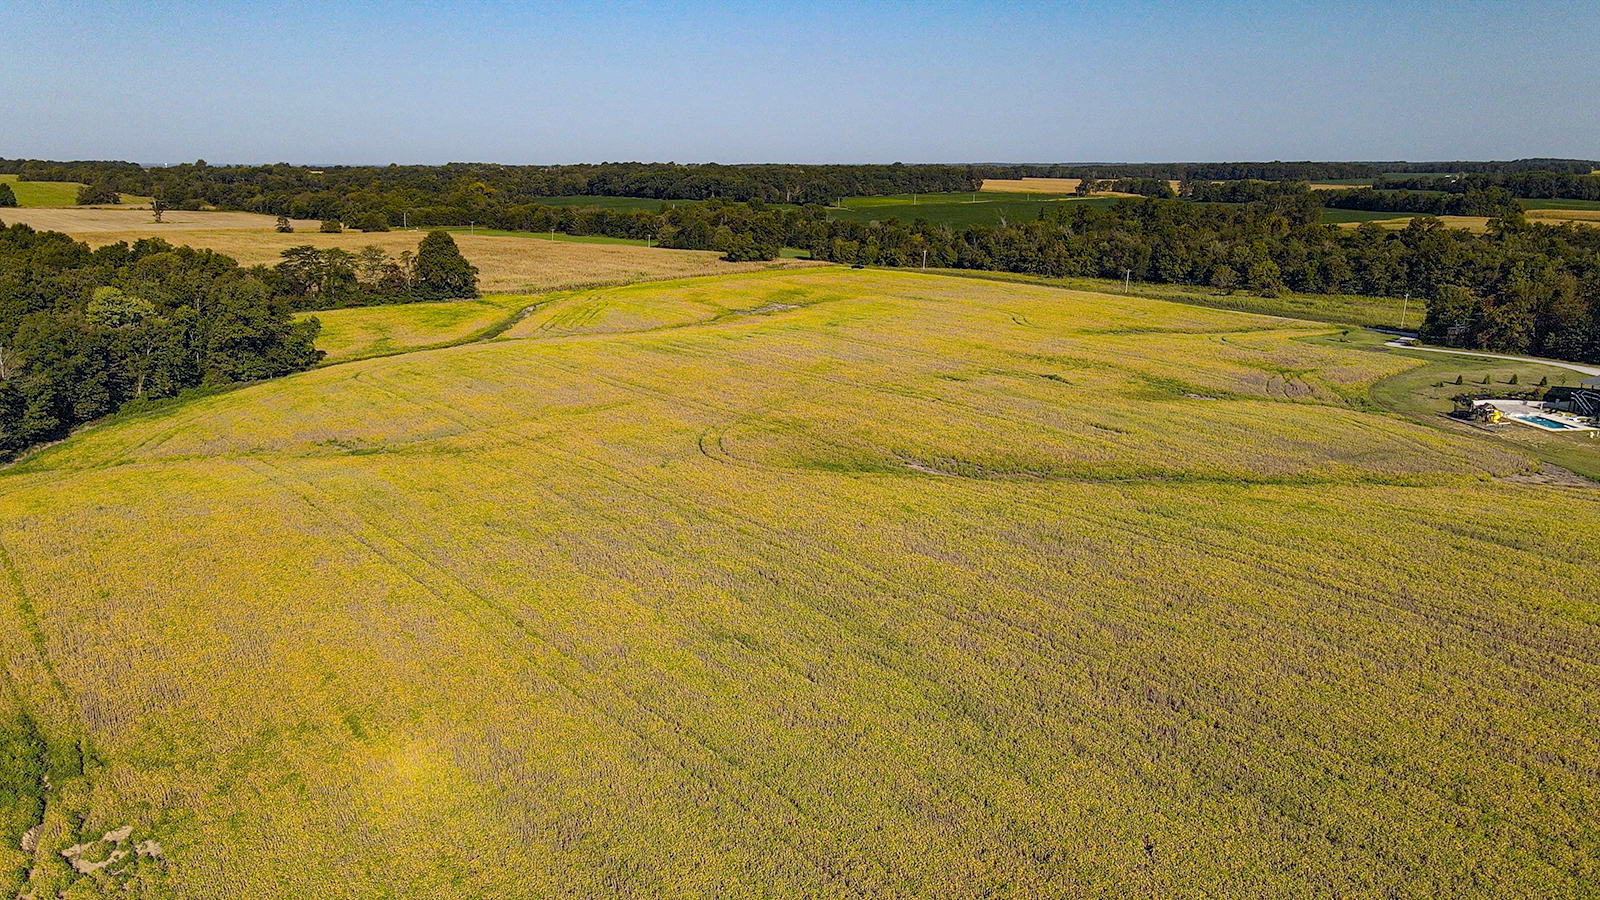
{"x":162,"y":82}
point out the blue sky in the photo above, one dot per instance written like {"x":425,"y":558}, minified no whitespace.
{"x":797,"y":82}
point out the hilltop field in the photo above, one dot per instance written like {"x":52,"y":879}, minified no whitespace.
{"x":812,"y":583}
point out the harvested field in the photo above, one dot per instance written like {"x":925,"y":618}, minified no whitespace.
{"x":1048,"y":186}
{"x":1563,"y":216}
{"x":1474,"y":224}
{"x":505,"y":264}
{"x":105,"y":225}
{"x":1032,"y":185}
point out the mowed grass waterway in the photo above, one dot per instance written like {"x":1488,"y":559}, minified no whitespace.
{"x":817,"y":584}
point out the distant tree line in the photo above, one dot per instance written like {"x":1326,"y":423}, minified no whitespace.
{"x":1493,"y":201}
{"x":1479,"y":200}
{"x":457,"y":193}
{"x":1282,"y":171}
{"x":1532,"y":185}
{"x":378,"y":197}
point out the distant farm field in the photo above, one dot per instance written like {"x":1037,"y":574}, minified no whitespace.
{"x":1395,"y":221}
{"x":816,"y":583}
{"x":505,"y":264}
{"x":1062,"y":186}
{"x":955,"y":210}
{"x":1533,"y":205}
{"x":41,"y":193}
{"x":1341,"y":216}
{"x":92,"y":223}
{"x":50,"y":193}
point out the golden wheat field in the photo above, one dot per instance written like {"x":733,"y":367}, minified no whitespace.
{"x":103,"y":225}
{"x":811,"y":583}
{"x":1032,"y":185}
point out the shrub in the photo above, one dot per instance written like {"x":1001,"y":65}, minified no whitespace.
{"x":331,"y":226}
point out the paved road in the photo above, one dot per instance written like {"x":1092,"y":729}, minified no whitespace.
{"x":1586,"y":370}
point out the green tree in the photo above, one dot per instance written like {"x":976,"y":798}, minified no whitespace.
{"x":7,"y":196}
{"x":1266,"y":279}
{"x":1224,"y":279}
{"x":98,"y":192}
{"x":441,"y":272}
{"x":331,"y":226}
{"x":111,"y":307}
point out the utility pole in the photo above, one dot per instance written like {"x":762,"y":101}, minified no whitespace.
{"x":1403,"y":307}
{"x":1127,"y":279}
{"x":924,"y":257}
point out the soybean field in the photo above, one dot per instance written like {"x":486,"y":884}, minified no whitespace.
{"x":814,"y":583}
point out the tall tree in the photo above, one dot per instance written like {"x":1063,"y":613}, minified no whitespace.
{"x":441,"y":271}
{"x":7,"y":196}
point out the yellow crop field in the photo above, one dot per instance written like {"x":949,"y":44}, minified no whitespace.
{"x":815,"y":583}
